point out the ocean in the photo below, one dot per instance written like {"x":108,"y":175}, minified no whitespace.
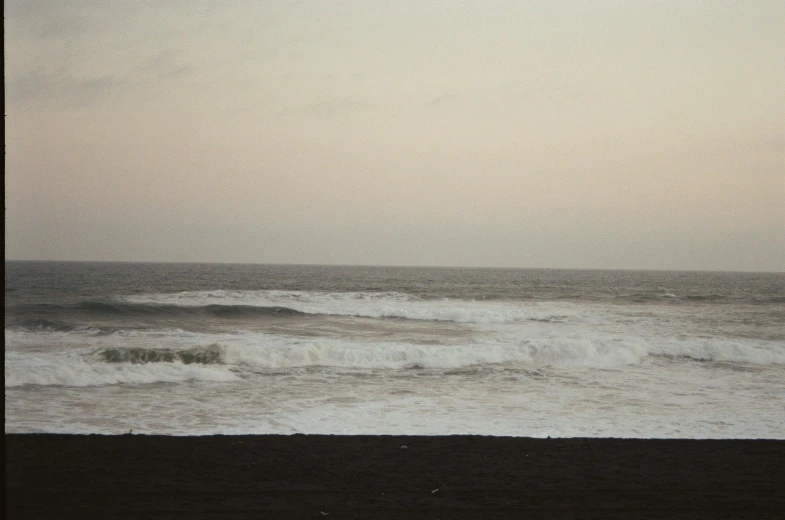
{"x":198,"y":349}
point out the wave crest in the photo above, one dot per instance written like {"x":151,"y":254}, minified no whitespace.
{"x":360,"y":304}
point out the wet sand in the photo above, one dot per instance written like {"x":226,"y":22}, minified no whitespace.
{"x":453,"y":477}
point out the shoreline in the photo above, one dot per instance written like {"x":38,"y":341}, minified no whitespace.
{"x":390,"y":476}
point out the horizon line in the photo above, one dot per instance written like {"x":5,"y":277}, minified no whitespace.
{"x":401,"y":266}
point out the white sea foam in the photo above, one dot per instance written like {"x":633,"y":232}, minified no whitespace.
{"x":252,"y":351}
{"x":135,"y":356}
{"x":661,"y":399}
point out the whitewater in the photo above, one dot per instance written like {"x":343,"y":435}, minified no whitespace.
{"x":188,"y":349}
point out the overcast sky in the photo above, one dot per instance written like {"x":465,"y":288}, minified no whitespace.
{"x":587,"y":134}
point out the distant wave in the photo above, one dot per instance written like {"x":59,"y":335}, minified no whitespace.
{"x":250,"y":304}
{"x":668,"y":297}
{"x":705,"y":297}
{"x":165,"y":309}
{"x":44,"y":324}
{"x":19,"y":315}
{"x":364,"y":304}
{"x":49,"y":326}
{"x":402,"y":305}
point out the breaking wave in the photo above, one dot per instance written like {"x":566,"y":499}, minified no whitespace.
{"x":205,"y":356}
{"x":225,"y":357}
{"x":364,"y":304}
{"x":42,"y":370}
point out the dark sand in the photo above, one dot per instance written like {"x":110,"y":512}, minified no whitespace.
{"x":130,"y":476}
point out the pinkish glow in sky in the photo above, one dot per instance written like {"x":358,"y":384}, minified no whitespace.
{"x":640,"y":135}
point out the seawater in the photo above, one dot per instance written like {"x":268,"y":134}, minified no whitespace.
{"x":193,"y":349}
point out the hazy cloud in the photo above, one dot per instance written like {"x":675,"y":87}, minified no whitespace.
{"x":640,"y":134}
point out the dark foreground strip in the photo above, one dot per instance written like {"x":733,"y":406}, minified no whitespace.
{"x":330,"y":477}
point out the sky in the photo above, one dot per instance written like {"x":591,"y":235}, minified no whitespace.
{"x":582,"y":134}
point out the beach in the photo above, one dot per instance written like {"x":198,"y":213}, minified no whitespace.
{"x":322,"y":476}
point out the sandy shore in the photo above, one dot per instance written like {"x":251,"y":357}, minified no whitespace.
{"x":136,"y":476}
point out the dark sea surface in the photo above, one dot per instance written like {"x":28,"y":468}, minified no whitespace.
{"x":220,"y":348}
